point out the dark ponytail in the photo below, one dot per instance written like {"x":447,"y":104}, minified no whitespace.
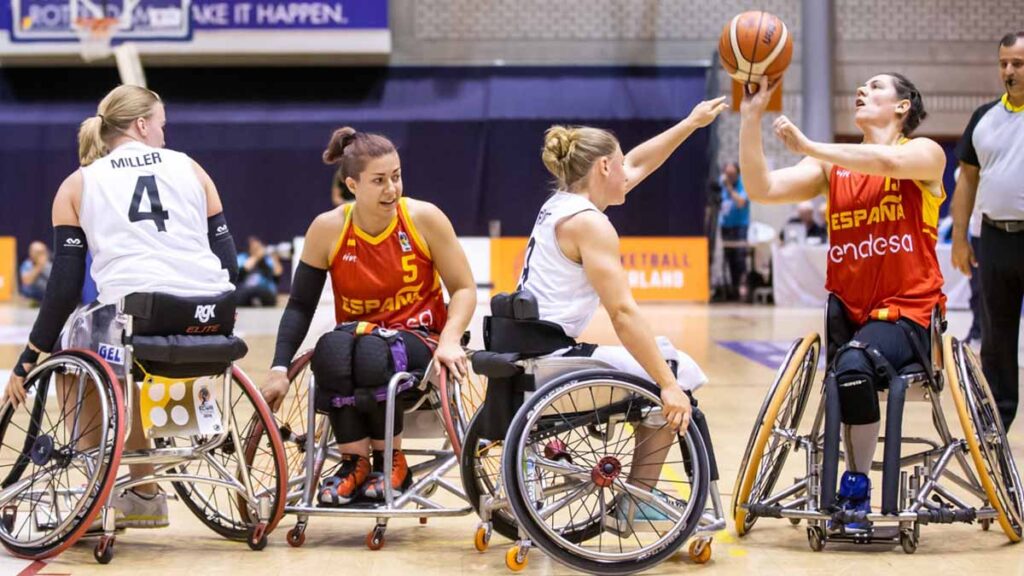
{"x":353,"y":150}
{"x":905,"y":90}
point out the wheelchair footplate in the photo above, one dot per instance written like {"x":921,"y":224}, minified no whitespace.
{"x":179,"y":407}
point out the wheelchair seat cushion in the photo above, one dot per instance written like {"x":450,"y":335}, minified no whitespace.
{"x":495,"y":365}
{"x":184,"y":356}
{"x":158,"y":314}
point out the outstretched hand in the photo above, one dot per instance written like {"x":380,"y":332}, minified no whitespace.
{"x":705,"y":112}
{"x":757,"y":102}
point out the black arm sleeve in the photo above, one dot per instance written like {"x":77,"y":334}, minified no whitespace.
{"x":64,"y":289}
{"x":222,"y":244}
{"x":307,"y":285}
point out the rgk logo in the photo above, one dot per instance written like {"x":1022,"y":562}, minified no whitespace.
{"x":204,"y":312}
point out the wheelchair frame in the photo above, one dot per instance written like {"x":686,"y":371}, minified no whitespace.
{"x":917,"y":490}
{"x":317,"y":454}
{"x":549,"y":373}
{"x":263,"y":513}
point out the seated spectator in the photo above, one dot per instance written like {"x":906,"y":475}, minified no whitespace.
{"x":258,"y":272}
{"x":35,"y":272}
{"x":803,"y":227}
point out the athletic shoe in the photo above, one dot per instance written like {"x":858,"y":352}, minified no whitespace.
{"x":344,"y":485}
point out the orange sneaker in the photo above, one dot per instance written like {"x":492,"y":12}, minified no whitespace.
{"x":401,"y":477}
{"x":344,"y":485}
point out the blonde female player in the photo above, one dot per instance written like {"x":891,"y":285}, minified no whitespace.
{"x":180,"y":245}
{"x":883,"y":196}
{"x":573,"y":264}
{"x":387,"y":256}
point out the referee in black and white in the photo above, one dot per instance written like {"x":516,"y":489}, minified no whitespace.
{"x":991,"y":153}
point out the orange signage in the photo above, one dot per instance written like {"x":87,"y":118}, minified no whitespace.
{"x":658,"y":268}
{"x":8,"y":268}
{"x":774,"y":105}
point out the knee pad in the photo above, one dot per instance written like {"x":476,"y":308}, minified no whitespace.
{"x":332,"y":367}
{"x":857,"y":384}
{"x":373,"y":363}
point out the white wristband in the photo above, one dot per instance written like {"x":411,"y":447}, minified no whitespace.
{"x":283,"y":369}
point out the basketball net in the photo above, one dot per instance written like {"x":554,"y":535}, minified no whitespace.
{"x":94,"y":35}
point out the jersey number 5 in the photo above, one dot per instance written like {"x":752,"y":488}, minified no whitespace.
{"x":147,"y":185}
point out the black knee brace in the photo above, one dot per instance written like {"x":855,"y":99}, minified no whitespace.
{"x":332,"y":367}
{"x":857,"y":385}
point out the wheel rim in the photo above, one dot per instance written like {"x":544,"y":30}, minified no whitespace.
{"x":991,"y":438}
{"x":783,"y":408}
{"x":49,"y":497}
{"x":559,"y":485}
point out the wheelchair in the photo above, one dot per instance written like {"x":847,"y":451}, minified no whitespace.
{"x":547,"y":457}
{"x":936,"y":484}
{"x":436,"y":407}
{"x":213,"y":436}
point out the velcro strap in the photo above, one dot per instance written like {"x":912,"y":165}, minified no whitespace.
{"x":364,"y":396}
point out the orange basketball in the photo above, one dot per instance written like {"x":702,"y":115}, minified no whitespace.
{"x":755,"y":44}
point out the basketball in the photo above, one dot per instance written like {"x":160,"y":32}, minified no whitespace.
{"x":755,"y":44}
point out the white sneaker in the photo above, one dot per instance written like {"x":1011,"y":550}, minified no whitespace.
{"x":135,"y":510}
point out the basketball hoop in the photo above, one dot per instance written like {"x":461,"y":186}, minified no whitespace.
{"x":95,"y":34}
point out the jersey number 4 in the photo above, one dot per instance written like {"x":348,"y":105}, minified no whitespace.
{"x":147,"y":185}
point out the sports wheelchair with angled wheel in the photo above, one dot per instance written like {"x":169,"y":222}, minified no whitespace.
{"x":947,"y":480}
{"x":550,"y":460}
{"x":213,"y":436}
{"x":435,"y":407}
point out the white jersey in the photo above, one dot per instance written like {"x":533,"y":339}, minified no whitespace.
{"x":144,"y":214}
{"x":563,"y":292}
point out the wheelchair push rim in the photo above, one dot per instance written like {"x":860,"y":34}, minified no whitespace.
{"x":985,"y":436}
{"x":600,"y":473}
{"x":64,"y":525}
{"x":788,"y":395}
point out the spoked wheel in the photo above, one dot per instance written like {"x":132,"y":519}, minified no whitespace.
{"x":293,"y":423}
{"x":985,"y":435}
{"x":59,"y":453}
{"x":481,"y":475}
{"x":460,"y":400}
{"x":571,"y":468}
{"x":251,"y":459}
{"x":777,"y":424}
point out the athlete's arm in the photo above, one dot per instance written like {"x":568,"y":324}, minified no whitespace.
{"x":217,"y":232}
{"x":918,"y":159}
{"x":793,"y":184}
{"x":64,"y":288}
{"x":453,"y":266}
{"x":963,"y":205}
{"x":649,"y":156}
{"x":308,"y":283}
{"x":598,"y":245}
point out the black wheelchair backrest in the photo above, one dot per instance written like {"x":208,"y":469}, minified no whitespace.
{"x":514,"y":326}
{"x":157,"y":314}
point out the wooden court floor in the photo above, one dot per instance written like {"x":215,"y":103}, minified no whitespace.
{"x":735,"y":345}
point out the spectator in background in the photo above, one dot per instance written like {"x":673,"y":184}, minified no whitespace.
{"x":733,"y":220}
{"x":340,"y":194}
{"x":258,"y":272}
{"x":35,"y":272}
{"x":804,"y":227}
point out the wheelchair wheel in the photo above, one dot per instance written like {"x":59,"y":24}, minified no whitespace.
{"x":460,"y":400}
{"x":480,"y":465}
{"x":986,"y":438}
{"x":567,"y":475}
{"x":59,"y":453}
{"x":782,"y":410}
{"x":251,"y":460}
{"x":293,"y":423}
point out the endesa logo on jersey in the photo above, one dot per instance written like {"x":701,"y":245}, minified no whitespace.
{"x":871,"y":247}
{"x":890,"y":209}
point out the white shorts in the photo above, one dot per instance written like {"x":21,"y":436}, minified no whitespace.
{"x":688,"y":373}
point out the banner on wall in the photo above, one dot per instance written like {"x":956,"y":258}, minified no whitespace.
{"x":8,"y":268}
{"x":659,"y":268}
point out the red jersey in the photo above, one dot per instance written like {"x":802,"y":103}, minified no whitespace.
{"x":388,"y":279}
{"x":881,"y":256}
